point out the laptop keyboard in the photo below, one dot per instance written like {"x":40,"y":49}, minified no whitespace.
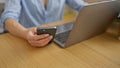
{"x":62,"y":37}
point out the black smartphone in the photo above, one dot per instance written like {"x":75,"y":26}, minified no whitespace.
{"x":51,"y":30}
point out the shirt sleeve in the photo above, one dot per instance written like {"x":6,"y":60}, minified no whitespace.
{"x":11,"y":10}
{"x":76,"y":4}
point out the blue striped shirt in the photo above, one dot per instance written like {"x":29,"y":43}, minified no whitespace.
{"x":33,"y":13}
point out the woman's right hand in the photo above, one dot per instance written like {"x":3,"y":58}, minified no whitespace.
{"x":37,"y":40}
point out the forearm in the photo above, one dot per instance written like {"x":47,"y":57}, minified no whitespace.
{"x":15,"y":28}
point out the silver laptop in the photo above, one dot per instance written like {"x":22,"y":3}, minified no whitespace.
{"x":93,"y":19}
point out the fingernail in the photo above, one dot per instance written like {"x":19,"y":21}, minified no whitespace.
{"x":51,"y":37}
{"x":46,"y":34}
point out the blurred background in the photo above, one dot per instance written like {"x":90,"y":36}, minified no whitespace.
{"x":1,"y":8}
{"x":67,"y":12}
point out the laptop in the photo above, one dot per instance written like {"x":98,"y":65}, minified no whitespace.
{"x":92,"y":20}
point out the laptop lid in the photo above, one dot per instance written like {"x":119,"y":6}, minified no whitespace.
{"x":92,"y":20}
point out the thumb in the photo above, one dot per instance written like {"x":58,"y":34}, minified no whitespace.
{"x":34,"y":30}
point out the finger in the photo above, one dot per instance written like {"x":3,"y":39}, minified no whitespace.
{"x":41,"y":43}
{"x":38,"y":37}
{"x":46,"y":41}
{"x":30,"y":35}
{"x":35,"y":30}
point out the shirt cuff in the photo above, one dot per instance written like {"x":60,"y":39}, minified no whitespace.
{"x":4,"y":18}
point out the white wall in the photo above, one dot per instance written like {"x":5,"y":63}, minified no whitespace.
{"x":2,"y":1}
{"x":1,"y":7}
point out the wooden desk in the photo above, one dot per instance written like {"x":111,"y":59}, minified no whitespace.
{"x":98,"y":52}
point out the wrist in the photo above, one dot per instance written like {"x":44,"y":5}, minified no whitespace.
{"x":24,"y":33}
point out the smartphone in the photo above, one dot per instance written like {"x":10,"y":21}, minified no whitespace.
{"x":51,"y":30}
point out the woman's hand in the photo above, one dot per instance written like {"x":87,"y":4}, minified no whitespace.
{"x":37,"y":40}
